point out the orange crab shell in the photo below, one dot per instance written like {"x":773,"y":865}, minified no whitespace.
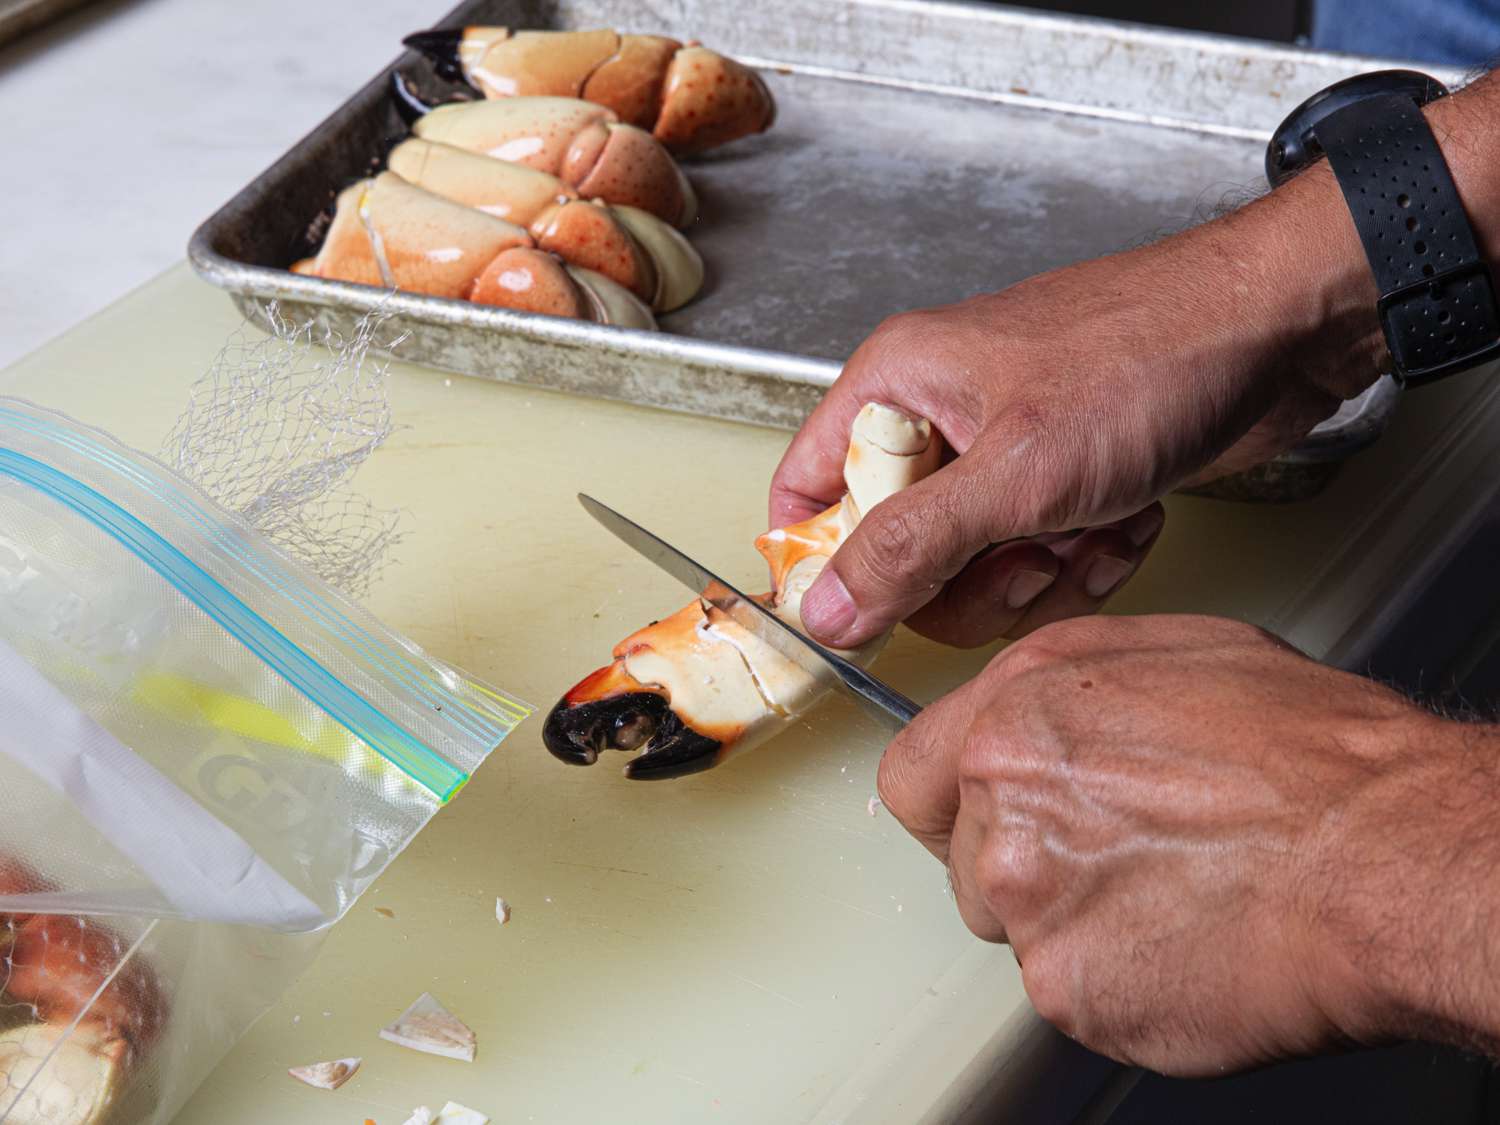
{"x":786,"y":547}
{"x":529,"y":281}
{"x":588,"y":235}
{"x":709,"y":99}
{"x":630,"y":83}
{"x":57,"y":964}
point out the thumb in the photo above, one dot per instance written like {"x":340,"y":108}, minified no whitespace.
{"x":900,"y":555}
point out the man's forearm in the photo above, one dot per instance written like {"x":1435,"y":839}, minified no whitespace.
{"x":1299,"y":248}
{"x":1412,"y":887}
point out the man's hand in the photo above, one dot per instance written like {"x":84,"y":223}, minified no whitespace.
{"x":1074,"y":400}
{"x":1077,"y":398}
{"x":1209,"y":851}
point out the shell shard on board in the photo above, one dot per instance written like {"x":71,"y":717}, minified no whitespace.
{"x":429,"y":1027}
{"x":326,"y":1075}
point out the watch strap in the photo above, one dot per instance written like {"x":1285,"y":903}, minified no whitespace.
{"x":1437,"y":297}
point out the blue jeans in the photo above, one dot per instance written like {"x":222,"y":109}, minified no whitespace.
{"x":1456,"y":32}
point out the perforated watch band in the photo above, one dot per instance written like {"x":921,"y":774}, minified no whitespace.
{"x":1437,"y":298}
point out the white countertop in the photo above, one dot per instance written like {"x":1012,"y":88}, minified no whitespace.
{"x":129,"y":122}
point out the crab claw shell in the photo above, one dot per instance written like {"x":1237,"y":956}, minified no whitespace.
{"x":51,"y":1074}
{"x":624,"y":164}
{"x":506,"y":64}
{"x":589,"y":235}
{"x":387,"y":232}
{"x":577,"y":733}
{"x":679,"y":269}
{"x":575,"y":140}
{"x":535,"y":281}
{"x":530,"y":281}
{"x":709,"y":99}
{"x":497,"y":187}
{"x":611,"y":303}
{"x":630,"y":83}
{"x":59,"y":962}
{"x":537,"y":132}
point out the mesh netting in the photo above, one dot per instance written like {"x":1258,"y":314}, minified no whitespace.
{"x":275,"y":429}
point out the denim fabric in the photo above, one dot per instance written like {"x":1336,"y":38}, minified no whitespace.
{"x":1457,"y":32}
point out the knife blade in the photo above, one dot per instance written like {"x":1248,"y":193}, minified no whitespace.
{"x":878,"y":698}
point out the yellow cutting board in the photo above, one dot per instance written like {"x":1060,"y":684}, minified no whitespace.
{"x":746,"y":945}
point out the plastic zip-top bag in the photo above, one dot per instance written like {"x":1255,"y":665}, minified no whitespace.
{"x":206,"y":754}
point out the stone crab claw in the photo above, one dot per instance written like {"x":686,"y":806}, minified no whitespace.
{"x":629,"y":246}
{"x":583,"y":144}
{"x":389,"y":233}
{"x":695,"y":688}
{"x":688,"y":97}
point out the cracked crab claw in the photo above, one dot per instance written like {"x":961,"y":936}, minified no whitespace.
{"x":692,"y":689}
{"x":691,"y":98}
{"x":582,"y":144}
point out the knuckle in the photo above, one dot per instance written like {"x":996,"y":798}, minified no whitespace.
{"x":906,"y":547}
{"x":1006,"y":871}
{"x":1033,"y":655}
{"x":1048,"y":979}
{"x":890,"y":782}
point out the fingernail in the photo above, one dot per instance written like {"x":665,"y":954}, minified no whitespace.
{"x":827,"y":608}
{"x":1145,"y":526}
{"x":1105,"y":573}
{"x":1025,"y":586}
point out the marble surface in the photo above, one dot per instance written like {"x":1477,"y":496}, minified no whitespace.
{"x":130,"y":121}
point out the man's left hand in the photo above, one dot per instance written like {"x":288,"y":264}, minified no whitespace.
{"x":1207,"y":850}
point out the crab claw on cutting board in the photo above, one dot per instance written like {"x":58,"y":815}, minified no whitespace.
{"x":689,"y":97}
{"x":694,"y":688}
{"x":581,"y":143}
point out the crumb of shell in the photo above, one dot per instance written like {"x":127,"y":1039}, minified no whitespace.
{"x":326,"y":1075}
{"x":455,"y":1114}
{"x":502,"y":911}
{"x":873,"y":805}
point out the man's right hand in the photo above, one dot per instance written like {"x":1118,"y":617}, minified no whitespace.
{"x":1072,"y":401}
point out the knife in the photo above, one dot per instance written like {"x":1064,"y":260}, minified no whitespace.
{"x":879,"y":699}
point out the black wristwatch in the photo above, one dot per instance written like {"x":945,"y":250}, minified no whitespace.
{"x":1437,"y":298}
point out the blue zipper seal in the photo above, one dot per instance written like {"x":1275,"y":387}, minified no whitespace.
{"x":397,"y":746}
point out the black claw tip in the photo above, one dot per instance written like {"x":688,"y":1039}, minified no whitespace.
{"x":441,"y":46}
{"x":642,"y":720}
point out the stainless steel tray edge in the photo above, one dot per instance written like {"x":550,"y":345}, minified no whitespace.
{"x":693,"y":374}
{"x":645,"y":368}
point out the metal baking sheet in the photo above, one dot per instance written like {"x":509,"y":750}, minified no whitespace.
{"x":922,"y":152}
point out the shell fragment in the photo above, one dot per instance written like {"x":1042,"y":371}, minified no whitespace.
{"x":430,"y":1027}
{"x":502,"y":911}
{"x":450,"y":1114}
{"x":455,"y":1114}
{"x":326,"y":1075}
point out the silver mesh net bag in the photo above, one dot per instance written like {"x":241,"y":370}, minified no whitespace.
{"x":275,"y":429}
